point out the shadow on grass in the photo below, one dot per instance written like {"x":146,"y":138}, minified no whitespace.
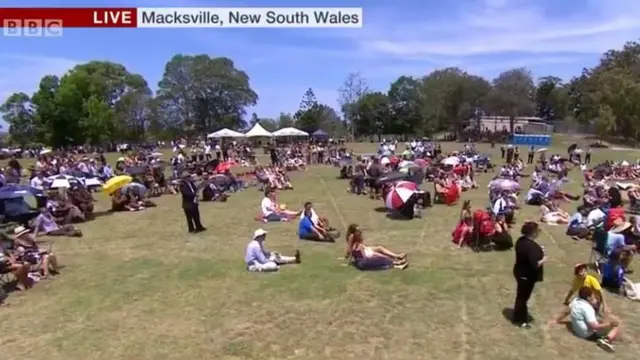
{"x":381,"y":209}
{"x":99,"y":214}
{"x":507,"y":313}
{"x":397,"y":217}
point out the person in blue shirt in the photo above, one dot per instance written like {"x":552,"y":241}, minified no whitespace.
{"x":616,"y":245}
{"x":577,"y":228}
{"x":307,"y":230}
{"x":612,"y":273}
{"x":258,"y":259}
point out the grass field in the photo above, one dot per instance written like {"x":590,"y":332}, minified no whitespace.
{"x":138,"y":287}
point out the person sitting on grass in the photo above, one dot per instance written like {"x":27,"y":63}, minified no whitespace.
{"x":577,"y":227}
{"x":272,"y":212}
{"x":121,"y":202}
{"x":371,"y":257}
{"x":320,"y":222}
{"x":27,"y":251}
{"x":9,"y":263}
{"x":616,"y":246}
{"x":46,"y":224}
{"x":582,"y":279}
{"x":613,"y":274}
{"x":258,"y":259}
{"x":308,"y":230}
{"x":585,"y":324}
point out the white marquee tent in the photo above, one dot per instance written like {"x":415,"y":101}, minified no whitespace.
{"x":257,"y":131}
{"x":289,"y":131}
{"x":225,"y":133}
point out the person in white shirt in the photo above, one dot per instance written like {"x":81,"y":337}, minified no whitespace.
{"x":258,"y":259}
{"x":38,"y":182}
{"x":585,"y":324}
{"x":272,"y":212}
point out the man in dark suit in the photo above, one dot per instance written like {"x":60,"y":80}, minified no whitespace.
{"x":189,"y":193}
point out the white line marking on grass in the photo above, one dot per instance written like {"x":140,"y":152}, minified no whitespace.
{"x":333,"y":202}
{"x":464,"y":320}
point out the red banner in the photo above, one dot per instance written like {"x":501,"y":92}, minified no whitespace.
{"x":46,"y":18}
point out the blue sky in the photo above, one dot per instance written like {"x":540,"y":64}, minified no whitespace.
{"x":400,"y":37}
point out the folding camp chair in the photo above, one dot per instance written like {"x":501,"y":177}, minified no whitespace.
{"x":599,"y":250}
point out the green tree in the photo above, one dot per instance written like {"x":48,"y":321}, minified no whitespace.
{"x":450,"y":98}
{"x":17,"y":111}
{"x":285,"y":120}
{"x":552,"y":98}
{"x":373,"y":112}
{"x":513,"y":95}
{"x":203,"y":94}
{"x":352,"y":90}
{"x":309,"y":115}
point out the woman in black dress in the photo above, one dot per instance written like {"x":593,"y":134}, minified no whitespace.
{"x":528,"y":270}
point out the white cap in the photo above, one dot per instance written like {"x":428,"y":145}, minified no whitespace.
{"x":258,"y":233}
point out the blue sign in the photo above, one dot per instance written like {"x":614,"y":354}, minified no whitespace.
{"x":531,"y":140}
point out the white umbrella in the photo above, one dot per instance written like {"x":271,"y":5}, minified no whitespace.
{"x":45,"y":151}
{"x":577,"y":151}
{"x":91,"y":182}
{"x":452,"y":161}
{"x":384,"y":161}
{"x":542,"y":150}
{"x":62,"y":181}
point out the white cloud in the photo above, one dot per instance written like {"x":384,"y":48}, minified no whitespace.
{"x":22,"y":73}
{"x":500,"y":26}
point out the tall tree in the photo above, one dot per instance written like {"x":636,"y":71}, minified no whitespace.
{"x":352,"y":90}
{"x":404,"y":97}
{"x":202,"y":93}
{"x":373,"y":113}
{"x":513,"y":94}
{"x":309,"y":115}
{"x":552,"y":98}
{"x":17,"y":111}
{"x":285,"y":120}
{"x":450,"y":98}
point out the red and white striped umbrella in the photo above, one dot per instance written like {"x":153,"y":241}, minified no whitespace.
{"x":397,"y":197}
{"x":409,"y":185}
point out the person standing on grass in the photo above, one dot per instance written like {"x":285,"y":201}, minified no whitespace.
{"x":189,"y":192}
{"x":527,"y":270}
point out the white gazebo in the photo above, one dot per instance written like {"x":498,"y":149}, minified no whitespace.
{"x":225,"y":133}
{"x":289,"y":131}
{"x":257,"y":131}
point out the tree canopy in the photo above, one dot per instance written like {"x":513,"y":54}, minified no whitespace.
{"x":102,"y":102}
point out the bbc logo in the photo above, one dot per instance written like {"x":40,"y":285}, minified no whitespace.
{"x":32,"y":27}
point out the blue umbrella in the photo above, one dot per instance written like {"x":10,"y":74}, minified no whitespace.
{"x":13,"y":191}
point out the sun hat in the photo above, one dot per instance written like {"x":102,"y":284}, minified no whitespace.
{"x":258,"y":233}
{"x":20,"y":230}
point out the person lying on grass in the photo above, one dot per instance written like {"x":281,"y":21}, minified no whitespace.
{"x":258,"y":259}
{"x":358,"y":252}
{"x":585,"y":324}
{"x":46,"y":224}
